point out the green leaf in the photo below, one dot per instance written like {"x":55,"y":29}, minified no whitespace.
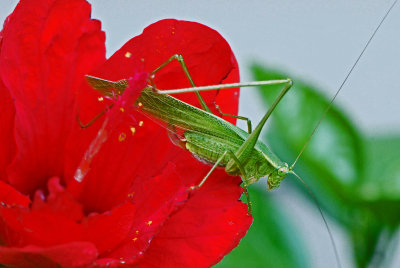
{"x":380,"y":190}
{"x":333,"y":163}
{"x":383,"y":162}
{"x":271,"y":240}
{"x":356,"y":180}
{"x":364,"y":231}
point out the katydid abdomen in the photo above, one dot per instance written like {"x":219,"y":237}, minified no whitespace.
{"x":210,"y":149}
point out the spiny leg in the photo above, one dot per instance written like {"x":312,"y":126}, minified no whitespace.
{"x":249,"y":128}
{"x":248,"y":145}
{"x":236,"y":160}
{"x":179,"y":58}
{"x":224,"y":86}
{"x":285,"y":89}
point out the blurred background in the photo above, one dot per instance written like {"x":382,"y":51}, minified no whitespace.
{"x":315,"y":43}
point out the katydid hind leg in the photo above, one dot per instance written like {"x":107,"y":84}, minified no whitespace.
{"x":248,"y":145}
{"x":181,"y":61}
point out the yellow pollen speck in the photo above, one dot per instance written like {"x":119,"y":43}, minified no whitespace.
{"x":100,"y":98}
{"x":149,"y":223}
{"x":140,"y":104}
{"x":141,"y":123}
{"x":137,"y":231}
{"x":128,"y":55}
{"x":122,"y":109}
{"x":134,"y":239}
{"x":133,"y":130}
{"x":122,"y":136}
{"x":142,"y":60}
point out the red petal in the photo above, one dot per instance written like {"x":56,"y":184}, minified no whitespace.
{"x":22,"y":228}
{"x":75,"y":254}
{"x":7,"y":141}
{"x":226,"y":98}
{"x":58,"y":219}
{"x":47,"y":47}
{"x":58,"y":203}
{"x":109,"y":229}
{"x":157,"y":199}
{"x":207,"y":228}
{"x":11,"y":197}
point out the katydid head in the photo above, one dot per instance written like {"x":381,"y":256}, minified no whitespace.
{"x":275,"y":178}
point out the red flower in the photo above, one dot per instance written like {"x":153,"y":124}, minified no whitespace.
{"x":134,"y":205}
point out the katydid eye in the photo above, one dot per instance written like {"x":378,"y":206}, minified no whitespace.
{"x":282,"y":171}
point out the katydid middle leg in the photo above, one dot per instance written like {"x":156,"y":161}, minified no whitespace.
{"x":249,"y":127}
{"x":203,"y":104}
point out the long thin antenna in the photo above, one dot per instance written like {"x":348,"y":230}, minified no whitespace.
{"x":323,"y":217}
{"x":344,"y":82}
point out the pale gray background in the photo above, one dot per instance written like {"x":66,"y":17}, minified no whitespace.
{"x":313,"y":39}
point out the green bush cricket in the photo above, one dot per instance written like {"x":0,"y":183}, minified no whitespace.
{"x":208,"y":137}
